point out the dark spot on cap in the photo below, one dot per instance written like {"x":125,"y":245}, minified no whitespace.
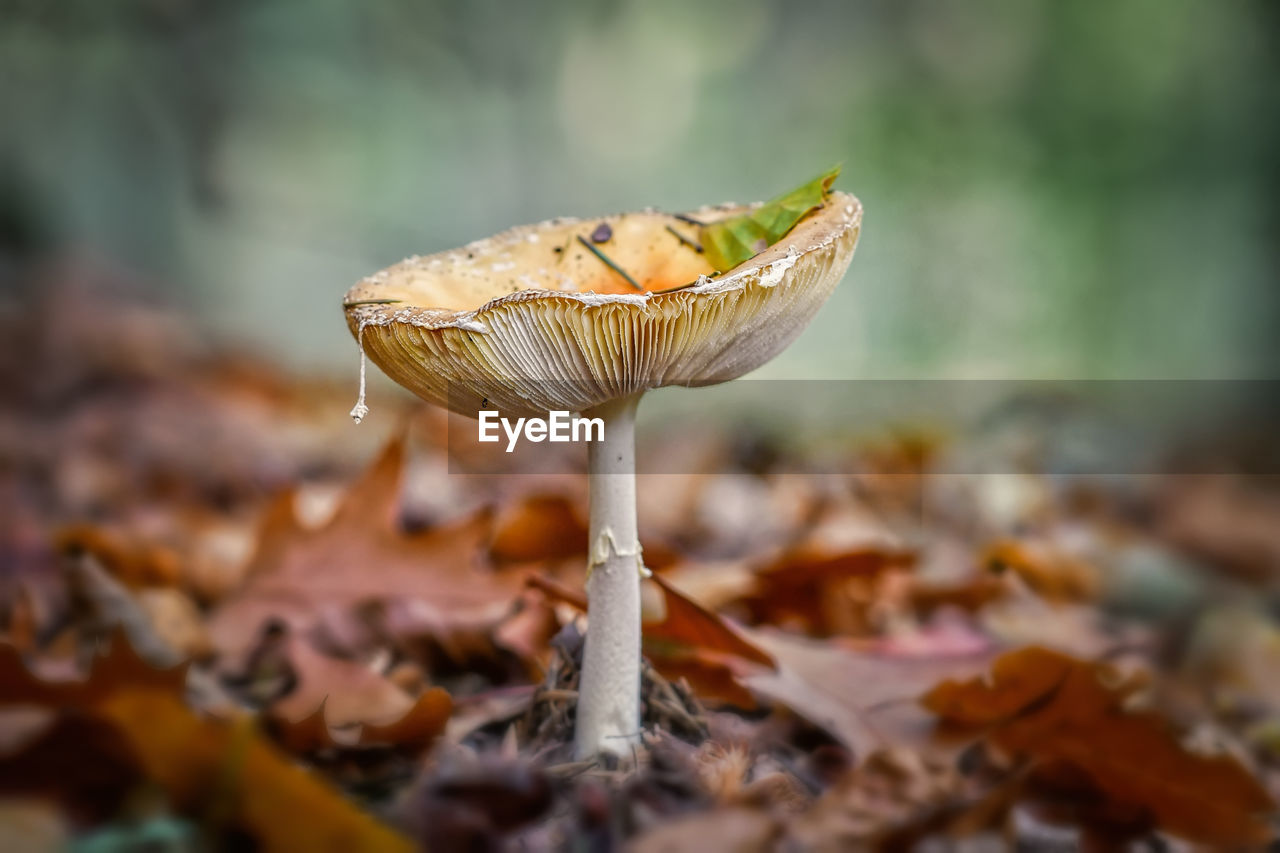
{"x":602,"y":234}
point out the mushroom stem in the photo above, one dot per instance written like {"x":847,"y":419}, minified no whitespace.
{"x":608,"y":717}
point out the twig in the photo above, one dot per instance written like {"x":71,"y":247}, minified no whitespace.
{"x":688,"y":219}
{"x":685,"y":240}
{"x":607,"y":262}
{"x":670,"y":702}
{"x":359,"y":302}
{"x":571,"y":769}
{"x":557,"y":591}
{"x":553,"y":695}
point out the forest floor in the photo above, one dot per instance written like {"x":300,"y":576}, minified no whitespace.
{"x":233,"y":619}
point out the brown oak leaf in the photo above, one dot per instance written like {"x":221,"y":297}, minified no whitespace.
{"x":1050,"y":707}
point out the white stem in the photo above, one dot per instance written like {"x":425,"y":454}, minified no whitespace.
{"x":609,"y":690}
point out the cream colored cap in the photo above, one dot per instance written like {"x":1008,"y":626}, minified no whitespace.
{"x":531,"y":320}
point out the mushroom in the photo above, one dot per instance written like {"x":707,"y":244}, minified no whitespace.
{"x":586,"y":316}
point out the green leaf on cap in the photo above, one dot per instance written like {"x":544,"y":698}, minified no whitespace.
{"x":731,"y":241}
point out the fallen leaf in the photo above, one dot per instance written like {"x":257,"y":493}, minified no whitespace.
{"x":866,"y":700}
{"x":690,"y":625}
{"x":538,"y":527}
{"x":362,"y":555}
{"x":340,"y":703}
{"x":527,"y":633}
{"x":692,"y":643}
{"x":1050,"y":707}
{"x":214,"y":767}
{"x":118,"y":668}
{"x":688,"y":642}
{"x":557,"y":591}
{"x":307,"y":734}
{"x":208,"y":767}
{"x":971,"y":595}
{"x":1018,"y":680}
{"x":133,"y":561}
{"x":731,"y":241}
{"x":419,"y":726}
{"x":351,"y":692}
{"x":414,"y":732}
{"x":714,"y":585}
{"x":1049,"y":571}
{"x":823,"y":591}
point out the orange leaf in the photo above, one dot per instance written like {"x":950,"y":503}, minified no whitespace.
{"x":207,"y":764}
{"x":803,"y":586}
{"x":416,"y":730}
{"x":305,"y":735}
{"x":538,"y":527}
{"x":1052,"y":573}
{"x":693,"y":643}
{"x":119,"y":667}
{"x":1051,"y":707}
{"x":421,"y":725}
{"x":132,"y":561}
{"x":691,"y":625}
{"x":1018,"y":680}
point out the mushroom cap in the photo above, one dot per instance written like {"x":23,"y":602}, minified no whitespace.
{"x":531,"y":320}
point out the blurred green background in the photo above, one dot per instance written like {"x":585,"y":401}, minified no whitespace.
{"x":1053,"y":189}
